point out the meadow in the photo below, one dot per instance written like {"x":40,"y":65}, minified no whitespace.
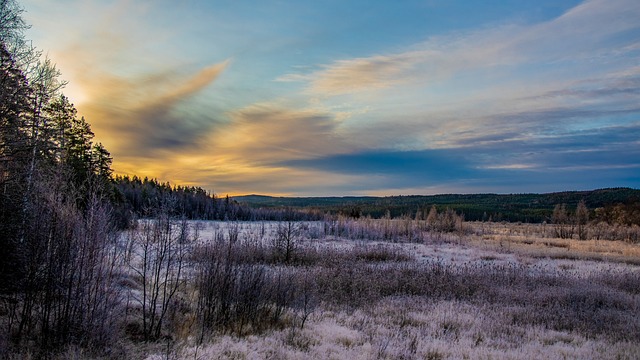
{"x":374,"y":289}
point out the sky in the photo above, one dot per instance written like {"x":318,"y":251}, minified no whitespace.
{"x":335,"y":97}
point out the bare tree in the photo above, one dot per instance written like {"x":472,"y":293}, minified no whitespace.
{"x":68,"y":257}
{"x":562,"y":221}
{"x":306,"y":299}
{"x":581,"y":219}
{"x":161,"y":248}
{"x":285,"y":242}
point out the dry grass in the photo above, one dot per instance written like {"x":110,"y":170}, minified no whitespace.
{"x":499,"y":291}
{"x":538,"y":241}
{"x":415,"y":328}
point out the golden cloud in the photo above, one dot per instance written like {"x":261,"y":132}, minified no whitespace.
{"x":250,"y":149}
{"x":266,"y":132}
{"x":376,"y":72}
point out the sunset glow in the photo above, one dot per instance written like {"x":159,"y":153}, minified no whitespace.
{"x":356,"y":97}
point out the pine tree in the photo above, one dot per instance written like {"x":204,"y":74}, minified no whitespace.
{"x":14,"y":155}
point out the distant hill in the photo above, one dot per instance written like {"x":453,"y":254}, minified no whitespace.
{"x":511,"y":207}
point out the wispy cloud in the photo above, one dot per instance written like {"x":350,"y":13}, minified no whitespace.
{"x":132,"y":94}
{"x":392,"y":167}
{"x":593,"y":30}
{"x":191,"y":86}
{"x":264,"y":132}
{"x":376,"y":72}
{"x":253,"y":145}
{"x":141,"y":115}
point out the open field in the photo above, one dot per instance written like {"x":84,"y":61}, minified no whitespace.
{"x":346,"y":288}
{"x":538,"y":241}
{"x":500,"y":291}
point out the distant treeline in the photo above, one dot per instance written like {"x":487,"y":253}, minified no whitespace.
{"x":614,"y":205}
{"x":136,"y":197}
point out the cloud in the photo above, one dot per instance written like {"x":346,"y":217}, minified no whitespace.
{"x":594,"y":152}
{"x":142,"y":115}
{"x":376,"y":72}
{"x":162,"y":125}
{"x":432,"y":164}
{"x":190,"y":87}
{"x":279,"y":181}
{"x":249,"y":151}
{"x":264,"y":132}
{"x":593,"y":30}
{"x":587,"y":159}
{"x":140,"y":102}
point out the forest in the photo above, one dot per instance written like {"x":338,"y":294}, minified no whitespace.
{"x":98,"y":265}
{"x":617,"y":205}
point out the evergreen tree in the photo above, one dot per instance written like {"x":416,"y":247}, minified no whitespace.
{"x":14,"y":154}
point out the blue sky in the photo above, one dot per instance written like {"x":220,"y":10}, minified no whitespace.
{"x":356,"y":97}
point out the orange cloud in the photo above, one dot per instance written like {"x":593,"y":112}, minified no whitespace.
{"x":141,"y":115}
{"x":248,"y":151}
{"x":193,"y":85}
{"x":267,"y":132}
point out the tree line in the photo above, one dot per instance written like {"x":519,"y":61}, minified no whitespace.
{"x":613,"y":205}
{"x":145,"y":198}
